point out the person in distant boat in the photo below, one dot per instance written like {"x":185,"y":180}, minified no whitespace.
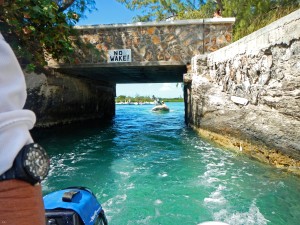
{"x":23,"y":164}
{"x":156,"y":100}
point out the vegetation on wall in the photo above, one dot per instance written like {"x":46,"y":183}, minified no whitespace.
{"x":250,"y":15}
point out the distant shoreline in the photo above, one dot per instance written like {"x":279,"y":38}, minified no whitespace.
{"x":141,"y":100}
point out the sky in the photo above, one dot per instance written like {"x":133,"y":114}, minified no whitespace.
{"x":110,"y":12}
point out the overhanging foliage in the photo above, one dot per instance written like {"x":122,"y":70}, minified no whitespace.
{"x":35,"y":28}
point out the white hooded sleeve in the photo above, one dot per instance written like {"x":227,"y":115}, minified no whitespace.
{"x":15,"y":122}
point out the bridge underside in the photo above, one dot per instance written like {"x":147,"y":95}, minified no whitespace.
{"x":122,"y":74}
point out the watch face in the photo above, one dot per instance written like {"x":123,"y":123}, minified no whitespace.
{"x":36,"y":162}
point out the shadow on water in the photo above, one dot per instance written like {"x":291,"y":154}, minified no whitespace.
{"x":70,"y":129}
{"x":75,"y":150}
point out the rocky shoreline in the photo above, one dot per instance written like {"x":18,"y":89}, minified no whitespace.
{"x":246,"y":96}
{"x":254,"y":150}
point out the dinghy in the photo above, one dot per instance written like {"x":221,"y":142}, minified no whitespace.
{"x":73,"y":205}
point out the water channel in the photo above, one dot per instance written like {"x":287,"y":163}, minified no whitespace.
{"x":150,"y":168}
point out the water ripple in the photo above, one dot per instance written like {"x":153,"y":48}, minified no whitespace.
{"x":150,"y":168}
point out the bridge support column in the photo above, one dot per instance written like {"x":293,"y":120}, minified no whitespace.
{"x":187,"y":80}
{"x":59,"y":99}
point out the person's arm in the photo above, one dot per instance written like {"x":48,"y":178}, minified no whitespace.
{"x":20,"y":202}
{"x":15,"y":122}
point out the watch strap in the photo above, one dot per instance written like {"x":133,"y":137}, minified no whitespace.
{"x":17,"y":170}
{"x":8,"y":175}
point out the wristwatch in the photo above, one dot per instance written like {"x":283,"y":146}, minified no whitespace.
{"x":31,"y":165}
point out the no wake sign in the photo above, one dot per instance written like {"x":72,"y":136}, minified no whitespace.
{"x":119,"y":55}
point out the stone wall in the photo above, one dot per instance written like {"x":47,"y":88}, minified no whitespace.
{"x":246,"y":96}
{"x":59,"y":99}
{"x":156,"y":41}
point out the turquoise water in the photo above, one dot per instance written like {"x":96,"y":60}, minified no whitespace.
{"x":149,"y":168}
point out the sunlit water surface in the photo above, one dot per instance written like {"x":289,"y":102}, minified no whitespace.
{"x":149,"y":168}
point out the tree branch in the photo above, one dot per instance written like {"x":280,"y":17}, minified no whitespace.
{"x":65,"y":4}
{"x":220,"y":4}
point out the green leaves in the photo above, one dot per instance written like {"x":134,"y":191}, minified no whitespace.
{"x":38,"y":27}
{"x":160,"y":9}
{"x":250,"y":15}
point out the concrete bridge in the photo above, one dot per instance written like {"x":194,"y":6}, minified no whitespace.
{"x":154,"y":52}
{"x":149,"y":52}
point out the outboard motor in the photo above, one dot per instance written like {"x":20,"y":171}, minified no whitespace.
{"x":73,"y":206}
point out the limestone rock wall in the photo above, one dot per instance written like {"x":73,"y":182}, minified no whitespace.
{"x":59,"y":99}
{"x":247,"y":95}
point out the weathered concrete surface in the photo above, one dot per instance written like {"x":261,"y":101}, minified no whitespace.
{"x":58,"y":99}
{"x":247,"y":95}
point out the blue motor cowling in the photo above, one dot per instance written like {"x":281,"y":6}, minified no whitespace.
{"x":73,"y":206}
